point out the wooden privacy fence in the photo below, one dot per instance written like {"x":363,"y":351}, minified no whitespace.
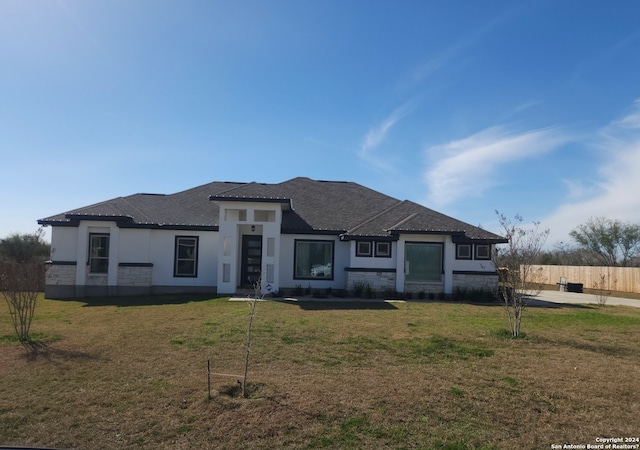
{"x":623,"y":279}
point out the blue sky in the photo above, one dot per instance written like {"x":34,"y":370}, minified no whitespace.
{"x":467,"y":107}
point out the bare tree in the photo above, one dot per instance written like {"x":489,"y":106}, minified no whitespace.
{"x":612,"y":242}
{"x":602,"y":287}
{"x":22,"y":273}
{"x":514,"y":262}
{"x":257,"y":288}
{"x":20,"y":284}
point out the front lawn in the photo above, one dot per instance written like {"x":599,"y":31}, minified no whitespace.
{"x":132,"y":373}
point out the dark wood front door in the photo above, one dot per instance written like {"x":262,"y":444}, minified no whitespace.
{"x":251,"y":260}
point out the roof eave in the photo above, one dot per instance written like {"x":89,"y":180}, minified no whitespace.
{"x":286,"y":202}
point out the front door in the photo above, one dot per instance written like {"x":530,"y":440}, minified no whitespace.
{"x":251,"y":260}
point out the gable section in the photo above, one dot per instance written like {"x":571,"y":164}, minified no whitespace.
{"x":330,"y":206}
{"x":407,"y":217}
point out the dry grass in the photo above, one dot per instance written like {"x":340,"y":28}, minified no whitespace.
{"x":414,"y":375}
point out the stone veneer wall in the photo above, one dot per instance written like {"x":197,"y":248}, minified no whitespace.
{"x":63,"y":275}
{"x":378,"y":280}
{"x":415,"y":287}
{"x":134,"y":276}
{"x":475,"y":280}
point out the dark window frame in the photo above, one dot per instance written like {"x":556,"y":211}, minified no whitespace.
{"x":380,"y":254}
{"x":361,"y":253}
{"x":177,"y":259}
{"x":469,"y":248}
{"x":91,"y":257}
{"x":483,"y":257}
{"x":313,"y":241}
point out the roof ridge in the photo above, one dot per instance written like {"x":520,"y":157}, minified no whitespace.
{"x":136,"y":209}
{"x":269,"y":188}
{"x":104,"y":202}
{"x":211,"y":183}
{"x":406,"y":219}
{"x":236,"y":187}
{"x":372,"y":218}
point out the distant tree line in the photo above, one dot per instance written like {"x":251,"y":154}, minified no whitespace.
{"x":598,"y":242}
{"x":25,"y":247}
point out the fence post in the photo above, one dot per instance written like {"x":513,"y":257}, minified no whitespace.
{"x":209,"y":378}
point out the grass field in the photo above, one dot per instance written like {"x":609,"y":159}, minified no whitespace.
{"x":132,"y":373}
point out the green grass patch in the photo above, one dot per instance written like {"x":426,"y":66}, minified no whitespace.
{"x":591,"y":317}
{"x":457,"y":392}
{"x":36,"y":338}
{"x":132,"y":373}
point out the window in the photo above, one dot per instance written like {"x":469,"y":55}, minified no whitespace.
{"x":423,"y":262}
{"x":482,"y":251}
{"x":186,"y":254}
{"x":313,"y":260}
{"x":98,"y":253}
{"x":235,"y":215}
{"x":264,"y":215}
{"x":383,"y":249}
{"x":226,"y":273}
{"x":363,"y":248}
{"x":226,"y":246}
{"x":271,"y":247}
{"x":463,"y":251}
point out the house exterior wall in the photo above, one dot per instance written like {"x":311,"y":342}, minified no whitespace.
{"x":378,"y":272}
{"x":445,"y":283}
{"x":239,"y":219}
{"x":475,"y":280}
{"x":340,"y":262}
{"x":60,"y":280}
{"x":64,"y":243}
{"x":141,"y":261}
{"x":473,"y":274}
{"x":161,"y":255}
{"x":379,"y":281}
{"x":475,"y":265}
{"x":373,"y":262}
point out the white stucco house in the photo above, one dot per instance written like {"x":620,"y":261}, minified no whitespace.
{"x":221,"y":236}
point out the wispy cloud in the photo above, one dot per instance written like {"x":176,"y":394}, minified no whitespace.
{"x":629,"y":122}
{"x":618,"y":179}
{"x":467,"y":167}
{"x":378,"y":132}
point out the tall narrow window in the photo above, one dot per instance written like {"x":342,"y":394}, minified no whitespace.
{"x":186,"y":256}
{"x":423,"y":262}
{"x":98,"y":253}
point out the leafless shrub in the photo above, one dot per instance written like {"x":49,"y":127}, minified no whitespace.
{"x":602,"y":288}
{"x":257,"y":295}
{"x":517,"y":277}
{"x":20,"y":283}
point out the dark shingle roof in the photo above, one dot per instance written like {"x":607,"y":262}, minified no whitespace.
{"x":348,"y":209}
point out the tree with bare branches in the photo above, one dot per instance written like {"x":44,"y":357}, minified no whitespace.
{"x":19,"y":285}
{"x":257,"y":296}
{"x":22,"y":273}
{"x":514,"y":261}
{"x":611,"y":242}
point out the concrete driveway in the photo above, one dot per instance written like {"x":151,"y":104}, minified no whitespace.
{"x":548,"y":298}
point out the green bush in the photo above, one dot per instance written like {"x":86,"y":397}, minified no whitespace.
{"x":359,"y":288}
